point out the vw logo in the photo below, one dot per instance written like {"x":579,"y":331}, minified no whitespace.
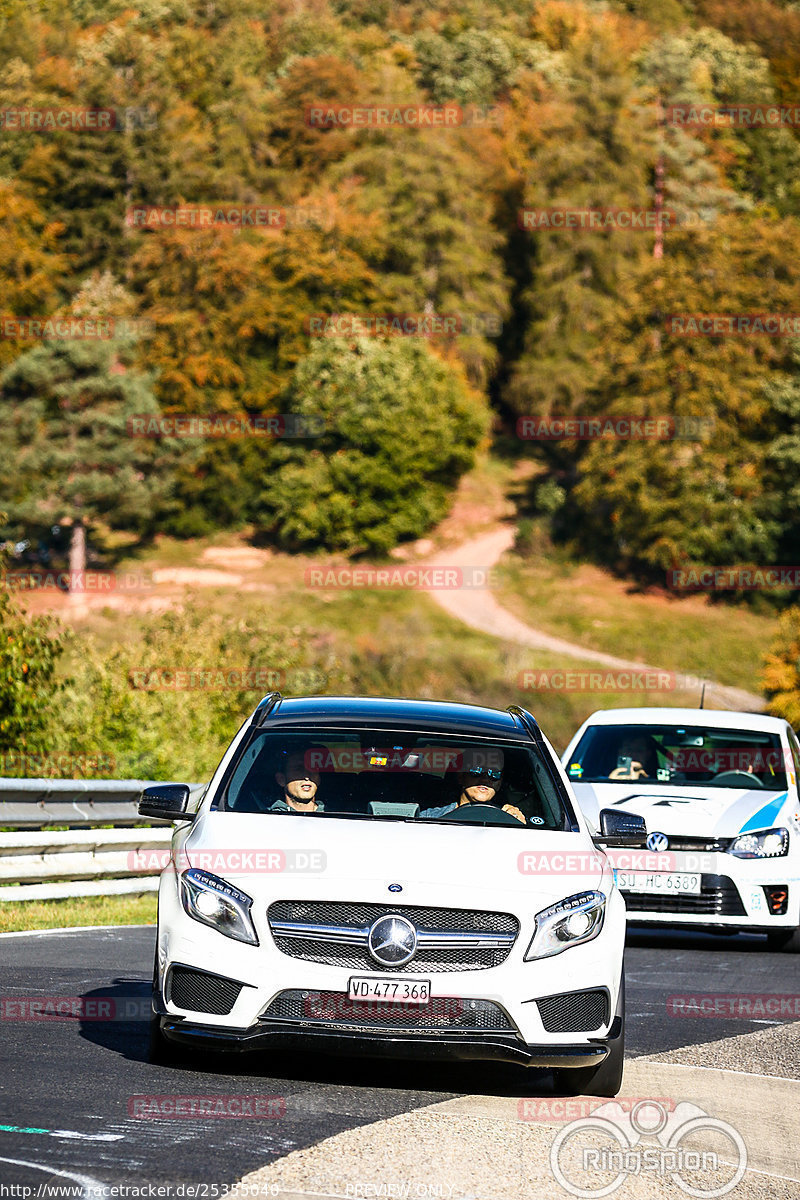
{"x":392,"y":941}
{"x":657,"y":842}
{"x":395,"y":887}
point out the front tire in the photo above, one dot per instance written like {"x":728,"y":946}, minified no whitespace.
{"x":605,"y":1079}
{"x":160,"y":1052}
{"x":785,"y":941}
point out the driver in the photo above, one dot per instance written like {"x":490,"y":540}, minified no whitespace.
{"x":640,"y":748}
{"x":477,"y":785}
{"x":299,"y":785}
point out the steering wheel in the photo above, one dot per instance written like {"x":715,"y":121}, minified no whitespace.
{"x":733,"y":776}
{"x":482,"y":814}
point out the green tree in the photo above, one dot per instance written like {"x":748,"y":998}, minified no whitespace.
{"x":69,"y":455}
{"x":474,"y":68}
{"x":699,"y":498}
{"x":781,"y":468}
{"x":426,"y":204}
{"x":596,"y":153}
{"x":400,"y":427}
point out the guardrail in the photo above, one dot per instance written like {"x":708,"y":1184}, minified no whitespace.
{"x":40,"y":863}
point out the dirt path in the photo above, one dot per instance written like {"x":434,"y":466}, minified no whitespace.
{"x":479,"y":609}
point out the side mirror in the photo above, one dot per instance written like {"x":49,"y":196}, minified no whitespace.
{"x":166,"y":802}
{"x":621,"y":828}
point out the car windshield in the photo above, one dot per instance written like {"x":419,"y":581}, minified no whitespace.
{"x":401,"y":776}
{"x":677,"y":755}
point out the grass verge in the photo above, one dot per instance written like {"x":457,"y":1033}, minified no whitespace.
{"x":22,"y":915}
{"x":587,"y":605}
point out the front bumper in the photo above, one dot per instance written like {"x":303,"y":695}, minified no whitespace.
{"x":416,"y":1046}
{"x":735,"y":894}
{"x":239,"y":1018}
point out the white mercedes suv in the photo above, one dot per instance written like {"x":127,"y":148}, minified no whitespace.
{"x":392,"y":877}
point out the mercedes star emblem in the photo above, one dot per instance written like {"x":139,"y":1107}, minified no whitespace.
{"x":392,"y":941}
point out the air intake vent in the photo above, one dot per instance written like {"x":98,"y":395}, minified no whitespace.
{"x":335,"y":1011}
{"x":574,"y":1012}
{"x":201,"y":991}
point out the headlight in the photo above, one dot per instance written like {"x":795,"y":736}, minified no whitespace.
{"x":568,"y":923}
{"x":767,"y":843}
{"x":214,"y":902}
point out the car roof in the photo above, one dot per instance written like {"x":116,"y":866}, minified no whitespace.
{"x":305,"y":712}
{"x":721,"y":718}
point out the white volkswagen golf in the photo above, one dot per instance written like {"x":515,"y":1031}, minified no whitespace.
{"x":392,"y":877}
{"x":719,"y":794}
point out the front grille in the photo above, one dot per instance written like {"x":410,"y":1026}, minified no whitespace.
{"x":333,"y":1010}
{"x":703,"y":844}
{"x":574,"y":1012}
{"x":202,"y":992}
{"x":718,"y":898}
{"x":324,"y":945}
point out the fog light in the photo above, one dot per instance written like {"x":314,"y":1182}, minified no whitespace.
{"x":777,"y":899}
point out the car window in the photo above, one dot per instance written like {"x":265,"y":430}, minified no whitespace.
{"x":676,"y":755}
{"x":394,"y":775}
{"x":795,"y":749}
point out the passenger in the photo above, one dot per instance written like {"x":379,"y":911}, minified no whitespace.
{"x":299,"y":785}
{"x":641,"y":749}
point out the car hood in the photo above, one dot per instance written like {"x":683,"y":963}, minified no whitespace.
{"x":434,"y":864}
{"x":687,"y":811}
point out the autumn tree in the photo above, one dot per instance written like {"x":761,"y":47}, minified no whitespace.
{"x":398,"y":427}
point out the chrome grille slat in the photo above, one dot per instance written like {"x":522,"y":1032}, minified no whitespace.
{"x":338,"y":933}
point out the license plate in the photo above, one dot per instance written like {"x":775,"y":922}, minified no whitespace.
{"x":660,"y":883}
{"x":395,"y":991}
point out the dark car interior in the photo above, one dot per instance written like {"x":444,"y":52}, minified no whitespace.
{"x":368,"y":778}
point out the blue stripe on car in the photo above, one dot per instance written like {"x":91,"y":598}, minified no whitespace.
{"x":766,"y":816}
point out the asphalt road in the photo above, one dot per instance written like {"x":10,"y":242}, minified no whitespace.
{"x":67,"y":1086}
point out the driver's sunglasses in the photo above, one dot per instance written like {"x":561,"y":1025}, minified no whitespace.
{"x":488,"y":771}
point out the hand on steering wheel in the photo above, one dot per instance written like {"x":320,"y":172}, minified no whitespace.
{"x":491,"y":814}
